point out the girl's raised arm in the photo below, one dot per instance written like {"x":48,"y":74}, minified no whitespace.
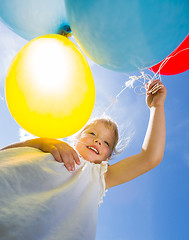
{"x":154,"y":142}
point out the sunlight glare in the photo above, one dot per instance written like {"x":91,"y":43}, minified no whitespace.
{"x":50,"y":68}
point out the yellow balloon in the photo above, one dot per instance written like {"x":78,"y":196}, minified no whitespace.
{"x":49,"y":87}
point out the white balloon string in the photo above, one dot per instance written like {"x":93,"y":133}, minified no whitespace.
{"x":143,"y":79}
{"x":167,"y":59}
{"x":115,"y":100}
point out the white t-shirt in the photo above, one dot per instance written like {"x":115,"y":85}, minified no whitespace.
{"x":41,"y":200}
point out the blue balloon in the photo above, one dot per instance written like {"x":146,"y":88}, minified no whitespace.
{"x":125,"y":35}
{"x":33,"y":18}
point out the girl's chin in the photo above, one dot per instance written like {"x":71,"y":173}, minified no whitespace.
{"x":89,"y":156}
{"x":91,"y":159}
{"x":94,"y":161}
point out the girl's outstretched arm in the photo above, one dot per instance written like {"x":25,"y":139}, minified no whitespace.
{"x":154,"y":142}
{"x":61,"y":151}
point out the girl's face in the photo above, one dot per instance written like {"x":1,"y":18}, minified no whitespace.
{"x":95,"y":143}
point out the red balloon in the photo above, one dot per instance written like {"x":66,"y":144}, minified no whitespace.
{"x":177,"y":62}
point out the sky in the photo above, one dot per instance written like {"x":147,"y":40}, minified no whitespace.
{"x":153,"y":206}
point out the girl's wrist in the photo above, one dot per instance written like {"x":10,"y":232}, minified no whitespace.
{"x":36,"y":143}
{"x":158,"y":107}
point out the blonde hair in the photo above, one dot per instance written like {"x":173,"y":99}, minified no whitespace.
{"x":109,"y":123}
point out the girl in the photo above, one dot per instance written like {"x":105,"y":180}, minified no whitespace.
{"x":94,"y":146}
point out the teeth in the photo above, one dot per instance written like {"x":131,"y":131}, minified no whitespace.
{"x":94,"y":149}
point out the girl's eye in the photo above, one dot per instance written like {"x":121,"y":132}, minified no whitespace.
{"x":92,"y":133}
{"x":106,"y":143}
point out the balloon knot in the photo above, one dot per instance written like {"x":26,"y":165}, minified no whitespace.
{"x":65,"y":31}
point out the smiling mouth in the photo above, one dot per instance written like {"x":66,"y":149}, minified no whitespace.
{"x":94,"y":149}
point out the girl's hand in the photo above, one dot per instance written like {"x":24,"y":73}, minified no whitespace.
{"x":155,"y":93}
{"x":61,"y":151}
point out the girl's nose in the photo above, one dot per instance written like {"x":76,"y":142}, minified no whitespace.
{"x":98,"y":141}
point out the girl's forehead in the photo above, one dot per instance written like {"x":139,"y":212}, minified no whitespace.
{"x":98,"y":125}
{"x":102,"y":128}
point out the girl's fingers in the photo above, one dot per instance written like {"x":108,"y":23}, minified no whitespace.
{"x":69,"y":162}
{"x":76,"y":158}
{"x":156,"y":90}
{"x":73,"y":158}
{"x":67,"y":159}
{"x":54,"y":151}
{"x":152,"y":83}
{"x":65,"y":154}
{"x":154,"y":86}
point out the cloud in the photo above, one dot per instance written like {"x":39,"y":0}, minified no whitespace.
{"x":2,"y":98}
{"x":24,"y":135}
{"x":2,"y":95}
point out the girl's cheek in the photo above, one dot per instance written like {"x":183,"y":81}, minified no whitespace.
{"x":85,"y":135}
